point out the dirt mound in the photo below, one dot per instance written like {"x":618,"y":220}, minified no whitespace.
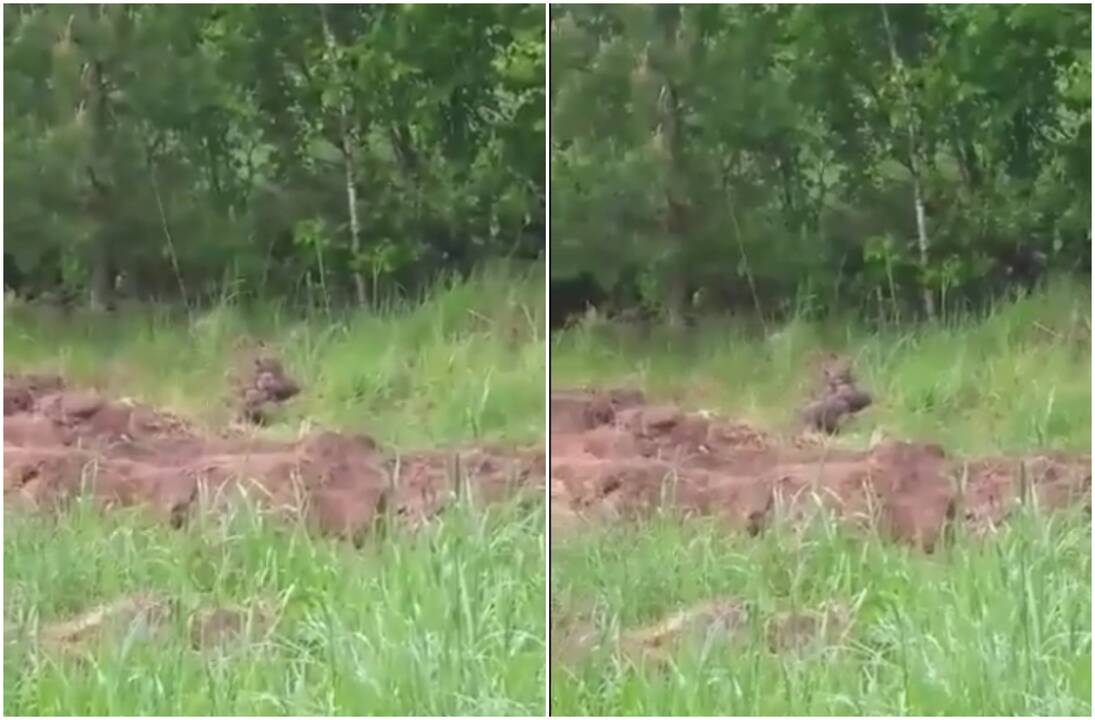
{"x":20,"y":391}
{"x":59,"y":442}
{"x":613,"y":456}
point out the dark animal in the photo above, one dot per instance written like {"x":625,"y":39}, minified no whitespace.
{"x":270,"y":378}
{"x":841,"y":398}
{"x":269,"y":386}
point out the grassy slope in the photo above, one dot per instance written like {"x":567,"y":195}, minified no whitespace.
{"x":1017,"y":380}
{"x":448,"y":621}
{"x":980,"y":628}
{"x":466,"y":363}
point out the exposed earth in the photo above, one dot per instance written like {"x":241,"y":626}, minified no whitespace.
{"x":615,"y":456}
{"x":721,"y":621}
{"x":149,"y":616}
{"x":59,"y":441}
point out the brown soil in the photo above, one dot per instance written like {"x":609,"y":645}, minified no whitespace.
{"x":614,"y":456}
{"x":60,"y":441}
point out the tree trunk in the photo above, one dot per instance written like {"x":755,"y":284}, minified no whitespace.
{"x":351,"y":203}
{"x":150,"y":161}
{"x":966,"y":152}
{"x":347,"y":147}
{"x":405,"y":151}
{"x":677,"y":279}
{"x":914,"y":166}
{"x":676,"y":224}
{"x":101,"y":285}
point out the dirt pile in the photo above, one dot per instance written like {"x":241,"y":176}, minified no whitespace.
{"x":614,"y":456}
{"x":60,"y":441}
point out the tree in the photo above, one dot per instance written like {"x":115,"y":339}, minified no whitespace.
{"x":889,"y":159}
{"x":328,"y":153}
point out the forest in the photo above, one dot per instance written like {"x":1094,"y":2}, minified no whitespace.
{"x":324,"y":154}
{"x":899,"y":161}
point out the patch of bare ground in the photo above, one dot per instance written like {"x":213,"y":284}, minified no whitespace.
{"x":707,"y":625}
{"x":60,"y":442}
{"x":148,"y":617}
{"x":613,"y":456}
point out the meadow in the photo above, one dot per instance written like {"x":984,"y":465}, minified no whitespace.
{"x":448,"y":619}
{"x":982,"y":626}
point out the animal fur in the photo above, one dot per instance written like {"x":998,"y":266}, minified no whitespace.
{"x":842,"y":397}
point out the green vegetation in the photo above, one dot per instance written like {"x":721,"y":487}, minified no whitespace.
{"x":448,"y":620}
{"x":466,"y":363}
{"x":1016,"y":379}
{"x":982,"y":627}
{"x":998,"y":628}
{"x":362,"y":187}
{"x":736,"y":191}
{"x":777,"y":159}
{"x":317,"y":153}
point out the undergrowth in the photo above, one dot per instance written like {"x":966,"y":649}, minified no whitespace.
{"x":980,"y":628}
{"x":448,"y":620}
{"x":992,"y":626}
{"x":464,"y":363}
{"x":1016,"y":379}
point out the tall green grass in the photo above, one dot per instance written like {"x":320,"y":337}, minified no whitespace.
{"x":465,"y":363}
{"x":449,"y":621}
{"x":994,"y":626}
{"x":445,"y":621}
{"x":1016,"y":379}
{"x":1000,"y":627}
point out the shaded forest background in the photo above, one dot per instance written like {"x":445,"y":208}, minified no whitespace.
{"x":901,"y":161}
{"x":320,"y":153}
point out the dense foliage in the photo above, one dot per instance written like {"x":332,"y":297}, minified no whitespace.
{"x":778,"y":157}
{"x":319,"y":152}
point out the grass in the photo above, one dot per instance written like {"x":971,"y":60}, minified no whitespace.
{"x":448,"y":620}
{"x":1014,"y":380}
{"x":465,"y":363}
{"x":993,"y":627}
{"x":1002,"y":628}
